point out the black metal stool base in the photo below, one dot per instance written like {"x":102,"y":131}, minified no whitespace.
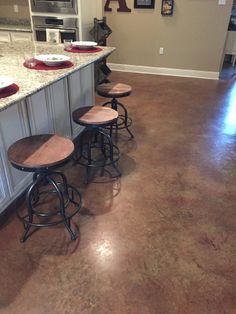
{"x":65,"y":195}
{"x":97,"y":151}
{"x":123,"y":121}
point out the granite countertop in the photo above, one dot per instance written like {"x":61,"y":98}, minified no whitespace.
{"x":15,"y":28}
{"x":31,"y":81}
{"x":15,"y":25}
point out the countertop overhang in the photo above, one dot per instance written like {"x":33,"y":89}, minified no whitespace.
{"x":15,"y":28}
{"x":30,"y":81}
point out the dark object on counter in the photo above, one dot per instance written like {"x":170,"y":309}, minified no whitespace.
{"x":167,"y":7}
{"x":96,"y":148}
{"x":100,"y":33}
{"x":41,"y":66}
{"x":8,"y":91}
{"x":114,"y":91}
{"x":49,"y":195}
{"x":77,"y":50}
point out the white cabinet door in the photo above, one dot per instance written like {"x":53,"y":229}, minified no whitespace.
{"x":48,"y":110}
{"x":39,"y":113}
{"x":59,"y":106}
{"x":5,"y":36}
{"x":14,"y":126}
{"x":4,"y":191}
{"x":87,"y":85}
{"x":21,"y":36}
{"x":81,"y":91}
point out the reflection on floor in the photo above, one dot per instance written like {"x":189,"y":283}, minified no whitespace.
{"x":160,"y":240}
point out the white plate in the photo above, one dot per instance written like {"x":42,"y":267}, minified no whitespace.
{"x":5,"y":81}
{"x":84,"y":44}
{"x":52,"y":60}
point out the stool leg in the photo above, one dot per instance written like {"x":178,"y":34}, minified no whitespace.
{"x":114,"y":103}
{"x":81,"y":141}
{"x":62,"y":206}
{"x":64,"y":181}
{"x":89,"y":155}
{"x":126,"y":119}
{"x":110,"y":143}
{"x":30,"y":201}
{"x":35,"y":190}
{"x":107,"y":103}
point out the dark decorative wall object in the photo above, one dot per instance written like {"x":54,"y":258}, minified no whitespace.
{"x":100,"y":32}
{"x":167,"y":7}
{"x":144,"y":4}
{"x":122,"y":6}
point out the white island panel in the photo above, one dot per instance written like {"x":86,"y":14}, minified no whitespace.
{"x":43,"y":104}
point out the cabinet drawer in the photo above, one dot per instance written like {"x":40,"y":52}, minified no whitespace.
{"x":21,"y":36}
{"x":5,"y":36}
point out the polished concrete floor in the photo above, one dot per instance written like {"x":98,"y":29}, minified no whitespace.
{"x":160,"y":240}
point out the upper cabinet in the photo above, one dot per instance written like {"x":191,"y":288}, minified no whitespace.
{"x":62,"y":11}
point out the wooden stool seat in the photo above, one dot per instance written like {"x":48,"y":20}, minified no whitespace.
{"x":114,"y":90}
{"x":94,"y":115}
{"x":40,"y":151}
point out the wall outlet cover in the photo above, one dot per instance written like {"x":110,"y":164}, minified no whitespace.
{"x":221,"y":2}
{"x":15,"y":8}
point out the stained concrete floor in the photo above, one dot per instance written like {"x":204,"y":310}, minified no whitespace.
{"x":162,"y":239}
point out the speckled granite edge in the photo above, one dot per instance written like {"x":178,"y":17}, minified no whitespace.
{"x":16,"y":25}
{"x":21,"y":22}
{"x":15,"y":28}
{"x":32,"y":81}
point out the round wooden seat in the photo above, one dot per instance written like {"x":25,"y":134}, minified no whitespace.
{"x":40,"y":151}
{"x":114,"y":90}
{"x":94,"y":115}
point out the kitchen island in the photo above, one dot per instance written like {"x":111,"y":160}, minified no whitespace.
{"x":43,"y":104}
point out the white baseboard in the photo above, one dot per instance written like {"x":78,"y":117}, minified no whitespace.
{"x":164,"y":71}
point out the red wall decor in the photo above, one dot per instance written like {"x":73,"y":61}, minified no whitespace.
{"x":122,"y":6}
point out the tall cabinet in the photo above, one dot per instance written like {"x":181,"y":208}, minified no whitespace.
{"x":87,"y":11}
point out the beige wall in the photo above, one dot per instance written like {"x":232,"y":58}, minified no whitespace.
{"x":193,"y":38}
{"x":6,"y":9}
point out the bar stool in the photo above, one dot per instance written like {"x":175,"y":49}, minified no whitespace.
{"x":41,"y":154}
{"x":114,"y":91}
{"x":96,"y":149}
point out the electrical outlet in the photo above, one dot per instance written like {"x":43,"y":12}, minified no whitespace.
{"x":222,"y":2}
{"x":15,"y":8}
{"x":161,"y":51}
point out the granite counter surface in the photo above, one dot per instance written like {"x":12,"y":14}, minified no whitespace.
{"x":15,"y":25}
{"x":31,"y":81}
{"x":15,"y":28}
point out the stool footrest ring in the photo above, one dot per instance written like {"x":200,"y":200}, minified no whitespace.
{"x":65,"y":194}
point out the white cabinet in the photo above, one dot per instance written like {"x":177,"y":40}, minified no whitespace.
{"x":13,"y":126}
{"x":5,"y":36}
{"x":48,"y":110}
{"x":81,"y":91}
{"x":4,"y":191}
{"x":59,"y":107}
{"x":21,"y":36}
